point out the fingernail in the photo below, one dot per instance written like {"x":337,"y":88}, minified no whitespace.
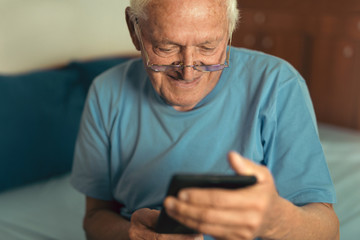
{"x":184,"y":196}
{"x":169,"y":204}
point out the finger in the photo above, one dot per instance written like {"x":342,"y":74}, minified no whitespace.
{"x":224,"y":224}
{"x":142,"y":222}
{"x":243,"y":166}
{"x":147,"y":217}
{"x":180,"y":237}
{"x":216,"y":216}
{"x":219,"y":198}
{"x":227,"y":232}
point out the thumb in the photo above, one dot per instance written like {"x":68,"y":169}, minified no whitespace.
{"x":241,"y":165}
{"x":146,"y":217}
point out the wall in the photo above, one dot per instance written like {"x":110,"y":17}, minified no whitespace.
{"x":321,"y":39}
{"x":36,"y":34}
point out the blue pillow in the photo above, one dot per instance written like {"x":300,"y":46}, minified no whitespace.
{"x":39,"y":119}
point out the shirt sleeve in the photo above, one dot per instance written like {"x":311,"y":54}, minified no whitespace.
{"x":90,"y":173}
{"x":293,"y":151}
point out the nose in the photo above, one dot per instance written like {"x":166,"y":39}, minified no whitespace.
{"x":188,"y":73}
{"x":188,"y":60}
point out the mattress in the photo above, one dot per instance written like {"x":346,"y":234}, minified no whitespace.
{"x":52,"y":209}
{"x":342,"y":151}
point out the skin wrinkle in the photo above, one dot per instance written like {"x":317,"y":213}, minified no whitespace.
{"x":177,"y":28}
{"x":154,"y":31}
{"x":156,"y":25}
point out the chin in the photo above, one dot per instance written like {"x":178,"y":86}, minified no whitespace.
{"x":186,"y":105}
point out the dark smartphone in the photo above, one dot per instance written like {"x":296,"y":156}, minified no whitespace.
{"x":167,"y":225}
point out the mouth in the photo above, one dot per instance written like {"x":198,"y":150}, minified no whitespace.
{"x":181,"y":83}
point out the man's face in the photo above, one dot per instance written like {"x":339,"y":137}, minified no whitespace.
{"x":190,"y":32}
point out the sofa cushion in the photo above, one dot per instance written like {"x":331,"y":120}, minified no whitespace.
{"x":39,"y":119}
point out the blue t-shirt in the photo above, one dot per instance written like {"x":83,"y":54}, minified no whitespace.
{"x":131,"y":141}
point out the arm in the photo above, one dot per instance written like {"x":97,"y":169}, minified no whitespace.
{"x":313,"y":221}
{"x":101,"y":221}
{"x":256,"y":211}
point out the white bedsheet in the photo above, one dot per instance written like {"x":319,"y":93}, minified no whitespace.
{"x":342,"y":150}
{"x":53,"y":209}
{"x":48,"y":210}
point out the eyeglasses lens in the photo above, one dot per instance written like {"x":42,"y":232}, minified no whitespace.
{"x":201,"y":68}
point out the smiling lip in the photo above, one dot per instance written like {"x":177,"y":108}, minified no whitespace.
{"x":183,"y":83}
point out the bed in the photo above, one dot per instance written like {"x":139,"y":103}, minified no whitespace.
{"x":47,"y":86}
{"x":52,"y":209}
{"x":342,"y":150}
{"x":37,"y":134}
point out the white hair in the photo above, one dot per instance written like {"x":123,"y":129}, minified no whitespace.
{"x":137,"y":10}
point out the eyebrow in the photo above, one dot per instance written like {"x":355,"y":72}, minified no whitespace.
{"x":168,"y":42}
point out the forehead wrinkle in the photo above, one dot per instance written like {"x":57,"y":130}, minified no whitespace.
{"x":172,"y":19}
{"x":186,"y":11}
{"x":202,"y":38}
{"x":169,"y":42}
{"x":210,"y":13}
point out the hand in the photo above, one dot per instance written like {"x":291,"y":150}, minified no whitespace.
{"x":142,"y":225}
{"x":230,"y":214}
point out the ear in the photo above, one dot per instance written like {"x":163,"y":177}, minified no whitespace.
{"x":131,"y":28}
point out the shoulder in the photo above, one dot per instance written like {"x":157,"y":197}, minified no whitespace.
{"x":258,"y":69}
{"x":260,"y":62}
{"x":123,"y":78}
{"x":120,"y":74}
{"x":117,"y":83}
{"x":265,"y":79}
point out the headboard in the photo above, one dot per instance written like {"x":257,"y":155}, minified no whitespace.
{"x":321,"y":39}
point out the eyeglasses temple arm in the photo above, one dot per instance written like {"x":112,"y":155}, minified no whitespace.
{"x":228,"y":52}
{"x":138,"y":34}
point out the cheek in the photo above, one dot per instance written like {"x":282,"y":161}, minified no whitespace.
{"x":213,"y":78}
{"x":157,"y":80}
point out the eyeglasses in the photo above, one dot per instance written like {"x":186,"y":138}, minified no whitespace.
{"x":180,"y":66}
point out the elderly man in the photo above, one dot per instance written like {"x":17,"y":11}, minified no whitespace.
{"x":186,"y":106}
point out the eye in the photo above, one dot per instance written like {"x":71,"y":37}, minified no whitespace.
{"x":208,"y":50}
{"x":166,"y":51}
